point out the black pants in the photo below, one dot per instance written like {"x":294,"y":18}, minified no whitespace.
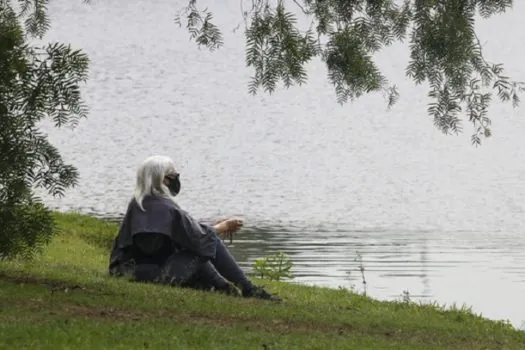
{"x":188,"y":270}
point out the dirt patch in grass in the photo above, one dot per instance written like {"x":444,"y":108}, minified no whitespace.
{"x":131,"y":315}
{"x":54,"y":286}
{"x":51,"y":284}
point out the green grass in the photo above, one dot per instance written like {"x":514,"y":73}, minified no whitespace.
{"x":65,"y":300}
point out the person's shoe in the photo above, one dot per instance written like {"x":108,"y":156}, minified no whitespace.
{"x":260,"y":293}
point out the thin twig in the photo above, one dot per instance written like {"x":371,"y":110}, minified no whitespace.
{"x":301,"y":7}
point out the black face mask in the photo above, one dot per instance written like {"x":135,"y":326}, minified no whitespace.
{"x":174,"y":185}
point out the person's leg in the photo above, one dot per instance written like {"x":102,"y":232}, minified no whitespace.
{"x":185,"y":269}
{"x":208,"y":278}
{"x":226,"y":265}
{"x":180,"y":268}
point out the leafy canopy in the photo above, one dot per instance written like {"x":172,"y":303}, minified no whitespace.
{"x":445,"y":51}
{"x":36,"y":83}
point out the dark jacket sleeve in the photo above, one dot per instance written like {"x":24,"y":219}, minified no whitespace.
{"x":194,"y":236}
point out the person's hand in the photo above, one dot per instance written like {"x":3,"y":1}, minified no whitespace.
{"x":227,"y":227}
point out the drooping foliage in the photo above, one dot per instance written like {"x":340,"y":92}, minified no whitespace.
{"x":36,"y":83}
{"x":445,"y":52}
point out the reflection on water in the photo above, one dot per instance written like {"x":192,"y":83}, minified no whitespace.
{"x":427,"y":213}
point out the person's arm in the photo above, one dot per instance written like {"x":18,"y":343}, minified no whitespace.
{"x":191,"y":234}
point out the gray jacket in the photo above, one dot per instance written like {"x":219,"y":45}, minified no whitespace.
{"x":164,"y":219}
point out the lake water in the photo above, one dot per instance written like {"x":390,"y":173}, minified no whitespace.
{"x":426,"y":213}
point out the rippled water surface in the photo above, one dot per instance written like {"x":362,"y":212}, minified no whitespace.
{"x":334,"y":186}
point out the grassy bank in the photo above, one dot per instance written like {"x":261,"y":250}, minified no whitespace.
{"x":65,"y":300}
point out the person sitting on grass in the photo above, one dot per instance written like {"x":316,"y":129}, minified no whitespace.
{"x":159,"y":242}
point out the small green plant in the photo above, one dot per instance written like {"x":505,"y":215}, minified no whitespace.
{"x":361,"y":268}
{"x":274,"y":267}
{"x":359,"y":259}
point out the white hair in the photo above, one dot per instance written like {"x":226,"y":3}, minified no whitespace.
{"x":150,"y":178}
